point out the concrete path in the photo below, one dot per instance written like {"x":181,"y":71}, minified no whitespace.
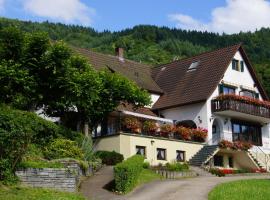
{"x":184,"y":189}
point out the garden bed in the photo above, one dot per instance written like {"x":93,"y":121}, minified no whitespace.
{"x":175,"y":175}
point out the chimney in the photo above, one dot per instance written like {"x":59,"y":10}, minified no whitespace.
{"x":119,"y":52}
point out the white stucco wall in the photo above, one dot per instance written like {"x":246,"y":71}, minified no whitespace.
{"x":154,"y":98}
{"x":195,"y":112}
{"x":203,"y":110}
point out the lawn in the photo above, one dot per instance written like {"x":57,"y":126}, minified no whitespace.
{"x":147,"y":176}
{"x":242,"y":190}
{"x":24,"y":193}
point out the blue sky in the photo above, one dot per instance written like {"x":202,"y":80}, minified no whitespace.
{"x":230,"y":16}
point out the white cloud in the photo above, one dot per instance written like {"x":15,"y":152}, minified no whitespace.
{"x":69,"y":11}
{"x":235,"y":16}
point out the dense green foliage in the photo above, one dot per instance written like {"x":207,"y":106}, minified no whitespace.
{"x":24,"y":193}
{"x":109,"y":157}
{"x":126,"y":173}
{"x":63,"y":148}
{"x":36,"y":73}
{"x":18,"y":129}
{"x":156,"y":45}
{"x":241,"y":190}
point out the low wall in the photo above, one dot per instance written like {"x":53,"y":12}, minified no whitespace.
{"x":176,"y":175}
{"x":61,"y":179}
{"x":64,"y":179}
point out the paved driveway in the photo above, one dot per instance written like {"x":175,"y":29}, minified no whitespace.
{"x":184,"y":189}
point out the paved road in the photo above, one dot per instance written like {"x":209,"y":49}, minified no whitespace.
{"x":184,"y":189}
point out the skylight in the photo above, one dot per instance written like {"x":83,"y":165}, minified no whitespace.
{"x":193,"y":66}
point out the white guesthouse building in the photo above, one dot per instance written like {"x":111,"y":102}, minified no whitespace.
{"x":217,"y":90}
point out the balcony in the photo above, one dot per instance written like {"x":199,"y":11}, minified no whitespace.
{"x":148,"y":126}
{"x":242,"y":107}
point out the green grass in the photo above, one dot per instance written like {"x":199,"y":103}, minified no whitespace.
{"x":242,"y":190}
{"x":24,"y":193}
{"x":40,"y":164}
{"x":147,"y":176}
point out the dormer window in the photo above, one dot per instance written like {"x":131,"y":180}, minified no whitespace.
{"x":238,"y":65}
{"x":193,"y":66}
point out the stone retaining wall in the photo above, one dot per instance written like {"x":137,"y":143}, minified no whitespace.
{"x":64,"y":179}
{"x":175,"y":175}
{"x":61,"y":179}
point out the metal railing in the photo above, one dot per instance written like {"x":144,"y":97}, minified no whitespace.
{"x":261,"y":156}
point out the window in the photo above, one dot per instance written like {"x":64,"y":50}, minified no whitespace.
{"x":180,"y":156}
{"x":140,"y":150}
{"x":238,"y":65}
{"x":193,"y":66}
{"x":245,"y":131}
{"x":249,"y":93}
{"x":224,"y":89}
{"x":161,"y":154}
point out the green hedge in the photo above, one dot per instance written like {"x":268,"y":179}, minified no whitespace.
{"x":19,"y":129}
{"x":126,"y":174}
{"x":110,"y":157}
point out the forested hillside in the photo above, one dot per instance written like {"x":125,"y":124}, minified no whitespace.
{"x":156,"y":45}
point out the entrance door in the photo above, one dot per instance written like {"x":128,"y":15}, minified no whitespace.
{"x":216,"y":131}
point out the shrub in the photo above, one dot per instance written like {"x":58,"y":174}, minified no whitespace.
{"x":110,"y":157}
{"x":126,"y":174}
{"x":63,"y":148}
{"x":146,"y":165}
{"x":176,"y":166}
{"x":217,"y":172}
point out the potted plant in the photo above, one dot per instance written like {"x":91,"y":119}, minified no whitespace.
{"x":183,"y":133}
{"x":166,"y":129}
{"x":225,"y":144}
{"x":132,"y":124}
{"x":199,"y":134}
{"x":150,"y":127}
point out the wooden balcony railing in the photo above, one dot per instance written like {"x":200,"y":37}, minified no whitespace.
{"x":238,"y":106}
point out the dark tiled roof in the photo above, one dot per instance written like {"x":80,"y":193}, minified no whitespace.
{"x":137,"y":72}
{"x":183,"y":87}
{"x":140,"y":110}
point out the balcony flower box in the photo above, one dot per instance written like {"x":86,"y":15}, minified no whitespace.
{"x":237,"y":145}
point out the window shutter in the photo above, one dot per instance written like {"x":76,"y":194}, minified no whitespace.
{"x":242,"y":66}
{"x":257,"y":95}
{"x":220,"y":89}
{"x":233,"y":64}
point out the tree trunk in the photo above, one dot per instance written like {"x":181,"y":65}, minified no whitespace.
{"x":78,"y":127}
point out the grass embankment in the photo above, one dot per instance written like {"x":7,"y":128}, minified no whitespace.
{"x":242,"y":190}
{"x":25,"y":193}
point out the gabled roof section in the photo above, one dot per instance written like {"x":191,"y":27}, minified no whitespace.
{"x":137,"y":72}
{"x":183,"y":86}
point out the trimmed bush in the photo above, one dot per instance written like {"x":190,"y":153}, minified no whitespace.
{"x":63,"y":148}
{"x":126,"y":174}
{"x":109,"y":157}
{"x":176,"y":166}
